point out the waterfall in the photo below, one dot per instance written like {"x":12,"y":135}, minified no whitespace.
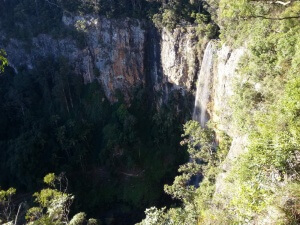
{"x":203,"y":95}
{"x":204,"y":86}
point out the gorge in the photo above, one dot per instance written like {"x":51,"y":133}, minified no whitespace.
{"x":111,"y":97}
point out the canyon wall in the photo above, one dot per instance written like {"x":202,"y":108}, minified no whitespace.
{"x":215,"y":88}
{"x":121,"y":54}
{"x":118,"y":53}
{"x":180,"y":57}
{"x":113,"y":52}
{"x":225,"y":73}
{"x":175,"y":58}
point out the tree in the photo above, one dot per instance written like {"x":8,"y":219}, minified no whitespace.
{"x":248,"y":9}
{"x":53,"y":205}
{"x":6,"y":205}
{"x":3,"y":60}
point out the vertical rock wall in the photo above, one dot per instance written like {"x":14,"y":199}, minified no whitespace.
{"x":118,"y":53}
{"x":179,"y":56}
{"x":214,"y":93}
{"x":225,"y":73}
{"x":113,"y":52}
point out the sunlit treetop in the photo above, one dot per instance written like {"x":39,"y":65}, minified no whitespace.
{"x":3,"y":60}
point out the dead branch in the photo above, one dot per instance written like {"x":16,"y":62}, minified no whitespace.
{"x":133,"y":175}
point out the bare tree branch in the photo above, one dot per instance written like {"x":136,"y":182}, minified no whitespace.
{"x":273,"y":18}
{"x":273,"y":2}
{"x":16,"y":219}
{"x":283,"y":3}
{"x":58,"y":6}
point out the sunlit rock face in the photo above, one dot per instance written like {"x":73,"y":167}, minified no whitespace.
{"x":116,"y":50}
{"x":118,"y":53}
{"x":180,"y":56}
{"x":226,"y":64}
{"x":225,"y":72}
{"x":215,"y":87}
{"x":113,"y":52}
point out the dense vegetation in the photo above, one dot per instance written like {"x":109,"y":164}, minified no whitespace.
{"x":264,"y":185}
{"x":268,"y":174}
{"x":113,"y":154}
{"x":24,"y":20}
{"x":205,"y":157}
{"x":118,"y":156}
{"x":52,"y":206}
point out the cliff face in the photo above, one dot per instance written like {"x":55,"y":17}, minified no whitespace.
{"x":214,"y":91}
{"x":174,"y":61}
{"x":179,"y":57}
{"x":225,"y":72}
{"x":118,"y":53}
{"x":114,"y":52}
{"x":224,"y":76}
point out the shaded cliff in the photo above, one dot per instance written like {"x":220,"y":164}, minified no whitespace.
{"x":113,"y":52}
{"x":175,"y":58}
{"x":119,"y":54}
{"x":123,"y":54}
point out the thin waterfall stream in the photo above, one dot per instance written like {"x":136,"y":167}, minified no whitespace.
{"x":203,"y":92}
{"x":204,"y":86}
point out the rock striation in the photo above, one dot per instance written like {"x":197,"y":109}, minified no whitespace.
{"x":113,"y":52}
{"x":123,"y":53}
{"x":215,"y":87}
{"x":179,"y":56}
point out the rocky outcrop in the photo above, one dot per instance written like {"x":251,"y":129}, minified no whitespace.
{"x":119,"y":53}
{"x":180,"y":57}
{"x":175,"y":58}
{"x":215,"y":89}
{"x":114,"y":52}
{"x":225,"y":72}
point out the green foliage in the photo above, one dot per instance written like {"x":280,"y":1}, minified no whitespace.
{"x":265,"y":106}
{"x":5,"y":195}
{"x":6,"y":204}
{"x":24,"y":19}
{"x":49,"y":179}
{"x":185,"y":12}
{"x":205,"y":159}
{"x":154,"y":216}
{"x":34,"y":213}
{"x":53,"y":204}
{"x":53,"y":207}
{"x":169,"y":19}
{"x":78,"y":219}
{"x":50,"y":117}
{"x":3,"y":60}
